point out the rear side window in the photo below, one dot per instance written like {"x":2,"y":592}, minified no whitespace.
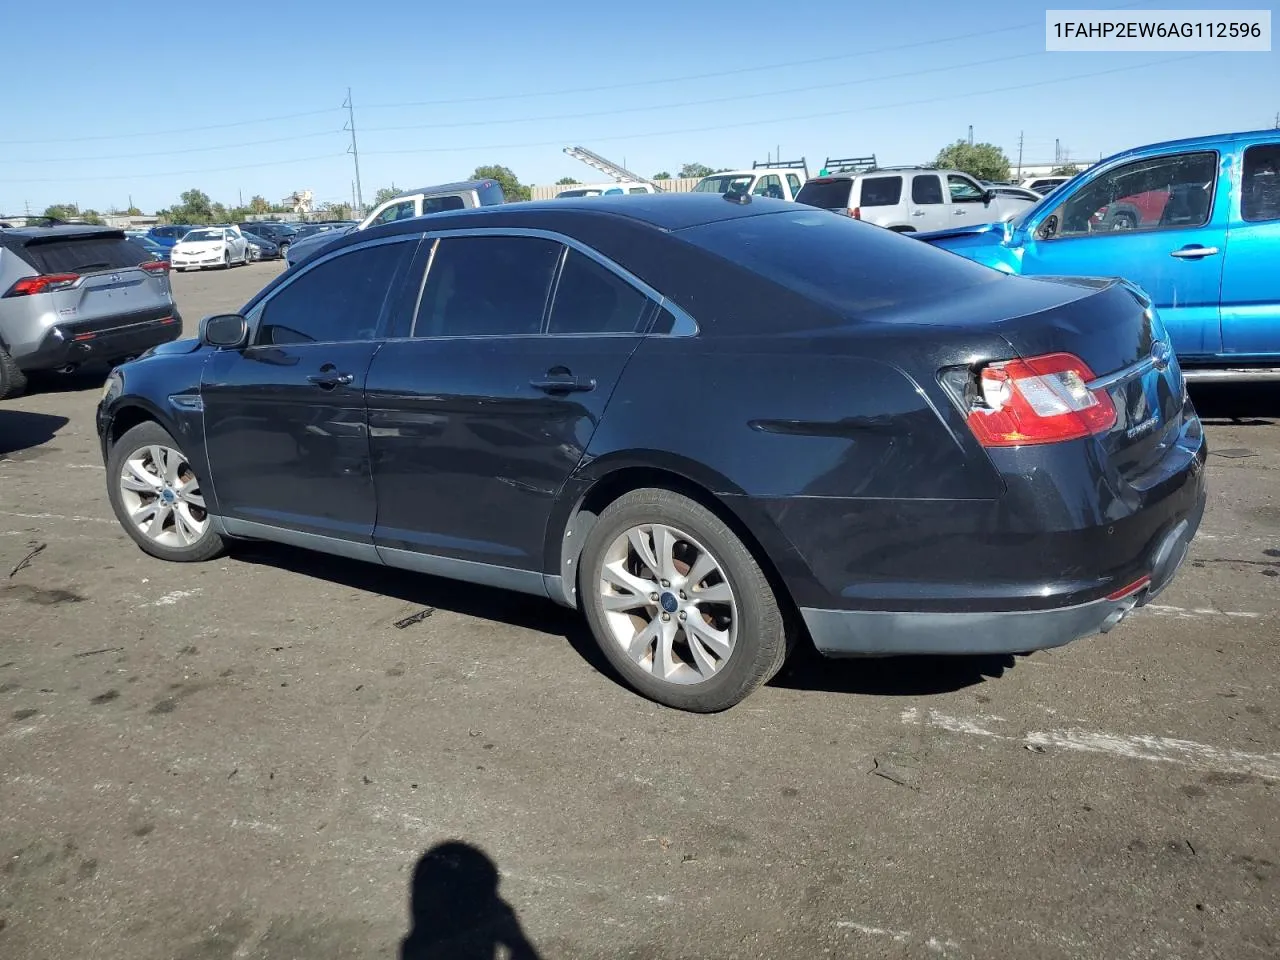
{"x":851,"y":267}
{"x":83,"y":254}
{"x":340,"y":299}
{"x":440,"y":204}
{"x":926,"y":188}
{"x":881,"y":191}
{"x":827,"y":194}
{"x":487,"y":287}
{"x":1260,"y":191}
{"x":591,"y":299}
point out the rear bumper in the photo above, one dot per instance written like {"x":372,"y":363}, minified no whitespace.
{"x":854,"y":633}
{"x":67,"y":345}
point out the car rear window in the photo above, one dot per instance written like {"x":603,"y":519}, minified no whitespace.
{"x":827,"y":194}
{"x":82,"y":254}
{"x":440,"y":204}
{"x":881,"y":191}
{"x":851,"y":267}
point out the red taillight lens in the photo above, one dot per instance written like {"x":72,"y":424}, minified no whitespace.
{"x":30,"y":286}
{"x":855,"y":212}
{"x":1041,"y":400}
{"x":155,"y":266}
{"x":1128,"y":591}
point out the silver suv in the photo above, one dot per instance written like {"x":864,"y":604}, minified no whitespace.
{"x":73,"y":295}
{"x":911,"y":199}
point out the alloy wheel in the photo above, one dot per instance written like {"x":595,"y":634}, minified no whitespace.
{"x":668,"y":603}
{"x":161,"y":495}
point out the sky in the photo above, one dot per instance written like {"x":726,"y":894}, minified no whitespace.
{"x":246,"y":99}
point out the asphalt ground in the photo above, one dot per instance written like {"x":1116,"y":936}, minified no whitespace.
{"x":247,"y":759}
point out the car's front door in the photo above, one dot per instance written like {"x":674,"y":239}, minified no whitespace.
{"x":1159,"y":222}
{"x":285,"y":424}
{"x":968,"y":202}
{"x":1251,"y":270}
{"x":480,"y":414}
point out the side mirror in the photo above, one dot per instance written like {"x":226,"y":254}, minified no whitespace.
{"x":224,"y":330}
{"x":988,"y":197}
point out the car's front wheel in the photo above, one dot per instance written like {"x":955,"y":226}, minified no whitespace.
{"x":284,"y":248}
{"x":157,"y":496}
{"x":678,"y":604}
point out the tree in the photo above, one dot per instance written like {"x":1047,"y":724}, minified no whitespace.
{"x":259,"y":205}
{"x":512,"y":188}
{"x":197,"y":204}
{"x":565,"y":182}
{"x":1066,"y":170}
{"x":662,"y":176}
{"x":698,"y":170}
{"x":985,"y":161}
{"x":337,"y":210}
{"x":385,"y":194}
{"x":92,"y":216}
{"x":133,"y":212}
{"x":62,"y":211}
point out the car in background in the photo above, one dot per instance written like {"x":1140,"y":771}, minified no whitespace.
{"x":1009,"y":190}
{"x":278,"y":232}
{"x":75,"y":295}
{"x":606,"y":189}
{"x":261,"y":248}
{"x":763,"y":180}
{"x":167,"y":234}
{"x":205,"y":247}
{"x":910,"y":199}
{"x":948,"y":461}
{"x":1195,"y":223}
{"x":413,"y":203}
{"x":1042,"y":185}
{"x":157,"y":251}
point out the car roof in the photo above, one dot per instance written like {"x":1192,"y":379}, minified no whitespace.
{"x":22,"y":234}
{"x":1204,"y":141}
{"x":458,"y":187}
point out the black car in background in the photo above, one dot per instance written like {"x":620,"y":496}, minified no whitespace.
{"x":260,"y":248}
{"x":279,"y":233}
{"x":714,"y":425}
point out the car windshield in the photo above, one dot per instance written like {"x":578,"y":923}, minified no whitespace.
{"x":195,"y":236}
{"x":724,"y":183}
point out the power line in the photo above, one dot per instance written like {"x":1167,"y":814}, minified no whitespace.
{"x":173,"y":153}
{"x":183,"y":173}
{"x":165,"y":133}
{"x":787,"y":119}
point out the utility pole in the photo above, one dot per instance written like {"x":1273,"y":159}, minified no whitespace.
{"x":355,"y":153}
{"x":1019,"y":154}
{"x":353,"y":198}
{"x":1278,"y":120}
{"x":1057,"y":152}
{"x":971,"y":134}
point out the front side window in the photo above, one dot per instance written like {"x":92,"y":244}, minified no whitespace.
{"x":1152,"y":194}
{"x":339,"y":299}
{"x":592,"y":299}
{"x":769,"y":186}
{"x":487,"y":287}
{"x":1260,"y":184}
{"x":397,"y":211}
{"x":794,"y":183}
{"x":926,"y":188}
{"x":881,"y":191}
{"x":964,"y":190}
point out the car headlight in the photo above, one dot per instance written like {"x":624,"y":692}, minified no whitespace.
{"x":113,"y":386}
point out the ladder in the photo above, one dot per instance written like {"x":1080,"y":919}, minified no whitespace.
{"x":800,"y":164}
{"x":607,"y":167}
{"x":849,"y":165}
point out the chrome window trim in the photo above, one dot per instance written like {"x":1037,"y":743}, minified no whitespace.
{"x":684,"y":326}
{"x":254,"y":316}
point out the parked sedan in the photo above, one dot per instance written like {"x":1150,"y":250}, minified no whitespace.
{"x":714,"y":426}
{"x":260,"y":248}
{"x":210,"y":247}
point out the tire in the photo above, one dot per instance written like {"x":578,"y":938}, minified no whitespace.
{"x":226,"y":260}
{"x":173,"y":540}
{"x":1123,"y":221}
{"x":749,"y":628}
{"x":12,"y":380}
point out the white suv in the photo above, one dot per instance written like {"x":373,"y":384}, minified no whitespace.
{"x":763,"y":180}
{"x":911,"y":199}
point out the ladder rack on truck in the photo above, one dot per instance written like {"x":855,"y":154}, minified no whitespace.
{"x":848,"y":165}
{"x":800,"y":164}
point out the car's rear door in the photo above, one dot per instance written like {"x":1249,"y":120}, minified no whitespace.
{"x":928,"y":202}
{"x":1251,"y":268}
{"x":484,"y":408}
{"x":285,"y":425}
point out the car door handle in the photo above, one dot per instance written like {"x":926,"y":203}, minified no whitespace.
{"x":917,"y":213}
{"x":961,"y":212}
{"x":329,"y":380}
{"x":1193,"y":253}
{"x":563,"y":383}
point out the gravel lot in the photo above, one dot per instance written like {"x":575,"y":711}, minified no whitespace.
{"x":246,"y":759}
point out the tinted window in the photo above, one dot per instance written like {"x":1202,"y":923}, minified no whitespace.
{"x":637,"y":190}
{"x":881,"y":191}
{"x":964,"y":190}
{"x":926,"y":188}
{"x":769,"y":186}
{"x":723,"y":183}
{"x":340,"y":299}
{"x":487,"y":287}
{"x":794,"y":183}
{"x":397,"y":211}
{"x":1169,"y":191}
{"x":828,"y":194}
{"x":1260,"y":194}
{"x":850,"y":266}
{"x":83,"y":254}
{"x":440,"y":204}
{"x":592,"y":299}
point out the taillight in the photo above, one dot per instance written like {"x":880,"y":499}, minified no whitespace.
{"x":155,"y":266}
{"x":30,"y":286}
{"x":855,"y":212}
{"x":1040,"y":400}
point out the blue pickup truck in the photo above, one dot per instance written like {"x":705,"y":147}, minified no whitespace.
{"x":1195,"y":223}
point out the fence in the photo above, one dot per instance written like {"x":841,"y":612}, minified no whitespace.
{"x":683,"y":185}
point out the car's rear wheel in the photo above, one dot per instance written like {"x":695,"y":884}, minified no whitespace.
{"x":284,"y":248}
{"x":12,"y":380}
{"x":678,"y":604}
{"x":157,"y":496}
